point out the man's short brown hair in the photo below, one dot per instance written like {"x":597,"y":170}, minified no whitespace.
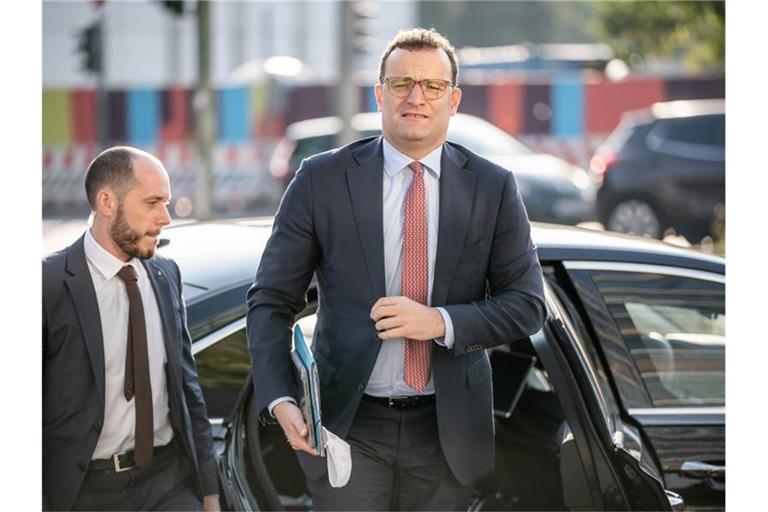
{"x":421,"y":39}
{"x":111,"y":168}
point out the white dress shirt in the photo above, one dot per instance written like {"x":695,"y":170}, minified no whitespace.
{"x":118,"y":431}
{"x":387,"y":375}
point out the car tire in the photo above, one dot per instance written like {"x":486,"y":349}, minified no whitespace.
{"x":636,"y":217}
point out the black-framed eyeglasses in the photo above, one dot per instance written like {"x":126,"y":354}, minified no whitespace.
{"x":432,"y":88}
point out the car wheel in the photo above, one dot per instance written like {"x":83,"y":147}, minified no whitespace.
{"x":636,"y":217}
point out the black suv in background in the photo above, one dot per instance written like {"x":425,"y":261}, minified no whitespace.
{"x":663,"y":168}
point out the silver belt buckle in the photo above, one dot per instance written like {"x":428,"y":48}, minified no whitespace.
{"x":116,"y":463}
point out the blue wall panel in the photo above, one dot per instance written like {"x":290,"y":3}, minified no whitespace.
{"x":234,"y":109}
{"x":143,"y":116}
{"x":567,"y":106}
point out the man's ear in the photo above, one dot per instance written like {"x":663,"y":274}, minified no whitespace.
{"x":455,"y":100}
{"x":106,"y":202}
{"x":377,"y":92}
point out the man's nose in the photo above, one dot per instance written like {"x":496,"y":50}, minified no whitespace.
{"x":165,"y":216}
{"x":417,"y":94}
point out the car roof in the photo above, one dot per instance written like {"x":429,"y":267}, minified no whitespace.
{"x":687,"y":108}
{"x":222,"y":254}
{"x":675,"y":109}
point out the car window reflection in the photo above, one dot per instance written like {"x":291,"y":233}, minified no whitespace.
{"x":674,"y":328}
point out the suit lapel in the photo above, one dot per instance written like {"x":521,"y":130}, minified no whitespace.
{"x":457,"y":190}
{"x":159,"y":280}
{"x":80,"y":285}
{"x":365,"y":191}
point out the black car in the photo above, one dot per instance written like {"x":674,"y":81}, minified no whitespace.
{"x":552,"y":189}
{"x":617,"y":403}
{"x":663,"y":168}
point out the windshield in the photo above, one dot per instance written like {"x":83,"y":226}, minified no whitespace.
{"x":484,"y":138}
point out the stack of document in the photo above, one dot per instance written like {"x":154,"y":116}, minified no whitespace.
{"x":309,"y":388}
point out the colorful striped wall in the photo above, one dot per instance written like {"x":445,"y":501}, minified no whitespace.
{"x":569,"y":106}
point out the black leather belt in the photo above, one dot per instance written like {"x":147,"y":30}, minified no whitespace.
{"x":401,"y":402}
{"x":120,"y":462}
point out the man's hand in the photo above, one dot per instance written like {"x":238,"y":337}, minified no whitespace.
{"x":211,"y":503}
{"x":294,"y":427}
{"x":401,"y":317}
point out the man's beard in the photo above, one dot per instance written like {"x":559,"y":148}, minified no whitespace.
{"x":127,"y":239}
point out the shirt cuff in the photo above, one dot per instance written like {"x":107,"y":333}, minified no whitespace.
{"x":273,"y":403}
{"x":447,"y":340}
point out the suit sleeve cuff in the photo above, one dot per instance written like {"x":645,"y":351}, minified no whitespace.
{"x":276,"y":401}
{"x":447,"y":340}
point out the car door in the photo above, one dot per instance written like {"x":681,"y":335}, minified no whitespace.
{"x":690,"y":159}
{"x":661,"y":330}
{"x":224,"y":369}
{"x":605,"y":463}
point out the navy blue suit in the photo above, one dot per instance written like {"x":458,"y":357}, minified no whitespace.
{"x":73,"y":374}
{"x":487,"y":277}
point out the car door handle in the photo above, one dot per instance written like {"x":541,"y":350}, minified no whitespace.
{"x":713,"y":475}
{"x":696,"y":469}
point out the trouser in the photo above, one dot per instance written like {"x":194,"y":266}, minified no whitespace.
{"x":397,"y":464}
{"x":164,"y":484}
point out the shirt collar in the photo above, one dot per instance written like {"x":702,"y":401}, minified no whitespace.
{"x":395,"y":161}
{"x":107,"y":264}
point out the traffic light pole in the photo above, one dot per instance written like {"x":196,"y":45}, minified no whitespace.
{"x":347,"y":101}
{"x":203,"y":103}
{"x":101,"y":87}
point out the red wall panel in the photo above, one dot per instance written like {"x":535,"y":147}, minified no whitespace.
{"x":505,"y":107}
{"x":84,"y":116}
{"x":606,"y":101}
{"x":176,"y":114}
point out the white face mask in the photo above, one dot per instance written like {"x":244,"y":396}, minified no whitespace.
{"x":338,"y":457}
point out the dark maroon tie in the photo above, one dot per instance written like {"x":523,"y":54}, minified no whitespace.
{"x":137,"y":384}
{"x":415,"y":279}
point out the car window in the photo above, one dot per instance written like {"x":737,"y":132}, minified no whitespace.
{"x":694,"y":138}
{"x":224,"y":364}
{"x":223,"y":367}
{"x":309,"y":146}
{"x":674,"y":328}
{"x":486,"y":139}
{"x":705,"y":130}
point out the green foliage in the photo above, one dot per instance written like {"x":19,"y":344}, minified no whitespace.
{"x":691,"y":32}
{"x":496,"y":23}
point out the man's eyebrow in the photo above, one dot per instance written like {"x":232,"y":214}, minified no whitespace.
{"x":157,"y":198}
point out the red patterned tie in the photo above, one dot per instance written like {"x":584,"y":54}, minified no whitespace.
{"x":416,"y":274}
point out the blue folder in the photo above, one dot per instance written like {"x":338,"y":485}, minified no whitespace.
{"x":309,"y":388}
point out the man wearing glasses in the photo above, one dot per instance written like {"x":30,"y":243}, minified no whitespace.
{"x":423,"y":258}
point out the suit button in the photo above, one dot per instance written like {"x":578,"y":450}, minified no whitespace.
{"x":97,"y":428}
{"x":360,"y":387}
{"x":82,"y":466}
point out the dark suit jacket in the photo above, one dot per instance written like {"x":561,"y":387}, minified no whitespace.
{"x":487,"y":277}
{"x":73,"y":374}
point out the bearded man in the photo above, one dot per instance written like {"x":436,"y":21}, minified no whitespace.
{"x":124,"y":422}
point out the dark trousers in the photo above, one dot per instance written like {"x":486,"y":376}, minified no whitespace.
{"x":397,"y":464}
{"x":163,"y":485}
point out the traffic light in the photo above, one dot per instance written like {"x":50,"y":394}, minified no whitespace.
{"x":175,"y":6}
{"x":363,"y":19}
{"x":89,"y":46}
